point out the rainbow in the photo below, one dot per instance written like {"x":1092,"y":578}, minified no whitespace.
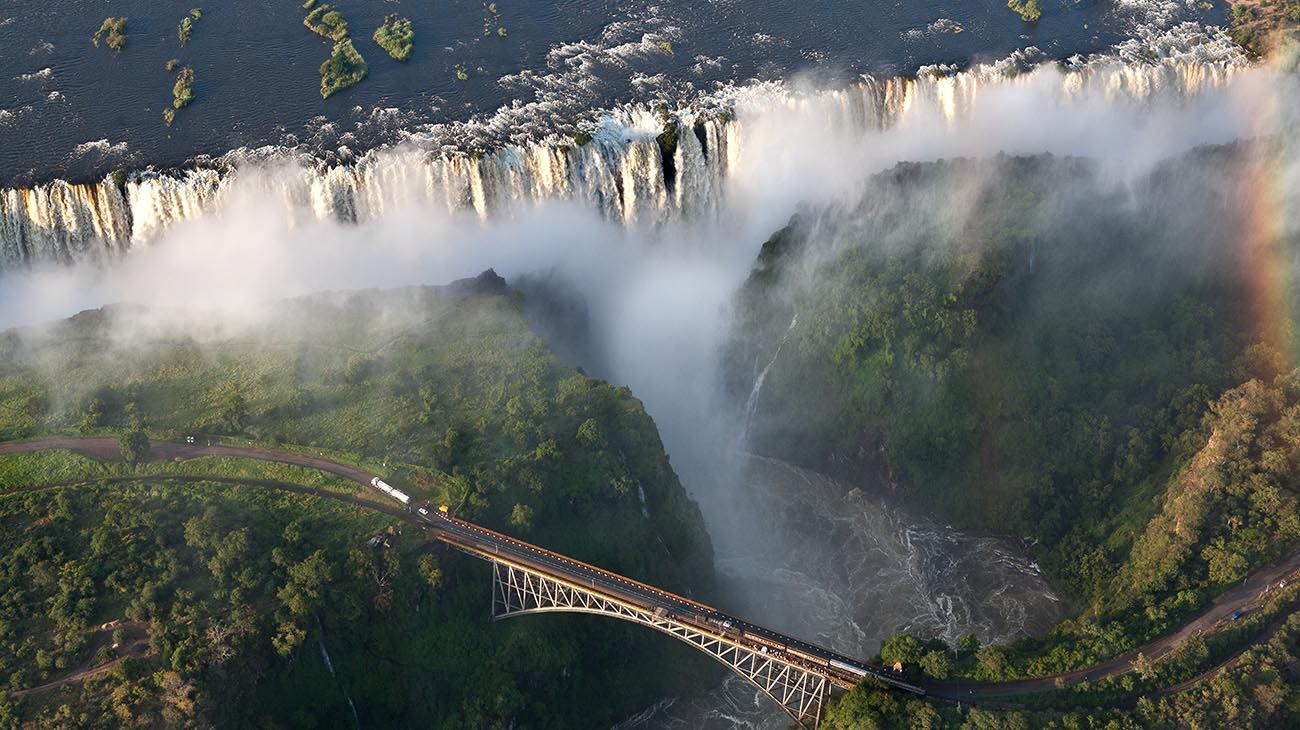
{"x":1262,"y":197}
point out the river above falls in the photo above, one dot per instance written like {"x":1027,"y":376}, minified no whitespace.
{"x":478,"y":78}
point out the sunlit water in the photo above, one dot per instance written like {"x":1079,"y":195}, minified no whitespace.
{"x":68,"y":109}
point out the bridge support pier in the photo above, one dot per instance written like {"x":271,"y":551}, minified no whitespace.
{"x":800,"y":689}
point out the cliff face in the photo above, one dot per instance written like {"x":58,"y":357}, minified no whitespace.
{"x":1017,"y":344}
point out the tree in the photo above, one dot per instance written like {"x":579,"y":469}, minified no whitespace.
{"x":232,"y":408}
{"x":866,"y":707}
{"x":35,"y":405}
{"x":302,"y":593}
{"x":992,"y":663}
{"x":589,"y":434}
{"x":522,"y":517}
{"x":937,"y":664}
{"x":1143,"y":665}
{"x":8,"y":717}
{"x":287,"y":638}
{"x":430,"y":570}
{"x":134,"y":445}
{"x":356,"y":369}
{"x":968,"y":644}
{"x":92,"y":415}
{"x":901,"y":647}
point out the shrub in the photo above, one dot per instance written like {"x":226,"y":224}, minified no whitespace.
{"x":1028,"y":10}
{"x":134,"y":446}
{"x":324,"y":20}
{"x":345,"y":67}
{"x":183,"y":90}
{"x":113,"y":32}
{"x":185,"y":30}
{"x":396,"y":37}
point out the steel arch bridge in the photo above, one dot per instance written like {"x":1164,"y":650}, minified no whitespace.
{"x":526,"y":579}
{"x":800,"y":691}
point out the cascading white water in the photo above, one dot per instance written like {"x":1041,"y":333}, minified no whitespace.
{"x":751,"y":404}
{"x":620,"y":172}
{"x":329,"y":665}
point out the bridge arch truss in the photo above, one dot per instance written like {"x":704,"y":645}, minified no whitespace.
{"x":799,"y":690}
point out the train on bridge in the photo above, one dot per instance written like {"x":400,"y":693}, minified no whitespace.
{"x":489,"y":544}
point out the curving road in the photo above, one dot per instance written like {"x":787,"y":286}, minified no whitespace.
{"x":106,"y":450}
{"x":1245,"y":596}
{"x":476,"y":539}
{"x":482,"y":542}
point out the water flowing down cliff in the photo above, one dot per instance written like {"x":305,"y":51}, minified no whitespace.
{"x":640,"y":167}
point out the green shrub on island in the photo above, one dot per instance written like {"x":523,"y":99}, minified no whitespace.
{"x":186,"y":28}
{"x":396,"y":37}
{"x":112,"y":30}
{"x":1028,"y":10}
{"x":183,"y":89}
{"x":345,"y":67}
{"x":492,"y":20}
{"x":325,"y":21}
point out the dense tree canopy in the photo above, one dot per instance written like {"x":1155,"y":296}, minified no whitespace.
{"x":226,"y":594}
{"x":974,"y":336}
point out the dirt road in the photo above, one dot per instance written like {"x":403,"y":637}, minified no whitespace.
{"x":106,"y":449}
{"x":1243,"y":597}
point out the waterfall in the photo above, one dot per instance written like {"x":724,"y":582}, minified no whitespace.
{"x":751,"y":405}
{"x":645,"y":508}
{"x":62,"y":223}
{"x":329,"y":665}
{"x":619,"y":171}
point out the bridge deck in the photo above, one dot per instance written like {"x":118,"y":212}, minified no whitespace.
{"x":491,"y":545}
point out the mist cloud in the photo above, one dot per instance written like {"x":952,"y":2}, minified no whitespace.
{"x":658,"y":295}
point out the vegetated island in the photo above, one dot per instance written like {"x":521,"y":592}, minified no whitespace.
{"x":185,"y":30}
{"x":396,"y":37}
{"x":169,"y":601}
{"x":182,"y":90}
{"x":113,"y":31}
{"x":492,"y":21}
{"x":345,"y":67}
{"x":1028,"y":10}
{"x":325,"y":21}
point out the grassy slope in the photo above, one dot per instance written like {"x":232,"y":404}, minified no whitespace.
{"x":449,"y":394}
